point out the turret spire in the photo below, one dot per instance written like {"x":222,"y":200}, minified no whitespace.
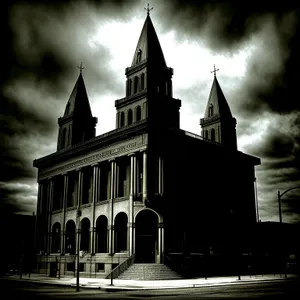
{"x":218,"y":125}
{"x":77,"y":124}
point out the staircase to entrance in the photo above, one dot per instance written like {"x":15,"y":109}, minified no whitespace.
{"x":149,"y":272}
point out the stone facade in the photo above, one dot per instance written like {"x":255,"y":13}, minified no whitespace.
{"x":146,"y":189}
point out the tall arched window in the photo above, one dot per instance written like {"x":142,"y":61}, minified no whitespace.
{"x":55,"y":238}
{"x":64,"y":138}
{"x":135,"y":84}
{"x":138,"y":113}
{"x":70,"y":245}
{"x":143,"y":81}
{"x":139,"y":56}
{"x":129,"y":86}
{"x":213,"y":135}
{"x":210,"y":110}
{"x":129,"y":117}
{"x":121,"y":232}
{"x":122,"y":119}
{"x":101,"y":235}
{"x":85,"y":235}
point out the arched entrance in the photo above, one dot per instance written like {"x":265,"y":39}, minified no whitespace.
{"x":146,"y":237}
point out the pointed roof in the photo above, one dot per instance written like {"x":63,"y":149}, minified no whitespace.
{"x":78,"y":102}
{"x":218,"y":101}
{"x":148,"y":46}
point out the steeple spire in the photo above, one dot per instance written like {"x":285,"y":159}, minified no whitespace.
{"x":77,"y":124}
{"x":149,"y":91}
{"x":218,"y":125}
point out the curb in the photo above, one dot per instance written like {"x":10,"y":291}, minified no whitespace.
{"x":109,"y":288}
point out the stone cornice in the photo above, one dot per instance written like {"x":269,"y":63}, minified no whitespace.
{"x":93,"y":144}
{"x":122,"y":148}
{"x":131,"y":99}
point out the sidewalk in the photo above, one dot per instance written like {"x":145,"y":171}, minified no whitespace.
{"x":118,"y":284}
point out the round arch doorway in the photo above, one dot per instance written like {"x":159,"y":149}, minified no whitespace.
{"x":146,"y":237}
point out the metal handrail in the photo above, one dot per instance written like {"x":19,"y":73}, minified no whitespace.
{"x":122,"y":267}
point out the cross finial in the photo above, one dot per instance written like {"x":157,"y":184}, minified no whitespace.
{"x":148,"y":9}
{"x":80,"y":68}
{"x":214,"y":71}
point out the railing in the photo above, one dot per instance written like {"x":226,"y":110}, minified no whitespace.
{"x":118,"y":270}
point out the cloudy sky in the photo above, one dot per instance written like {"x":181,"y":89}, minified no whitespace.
{"x":255,"y":46}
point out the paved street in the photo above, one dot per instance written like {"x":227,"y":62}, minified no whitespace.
{"x":283,"y":289}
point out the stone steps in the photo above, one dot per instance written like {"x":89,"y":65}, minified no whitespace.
{"x":149,"y":272}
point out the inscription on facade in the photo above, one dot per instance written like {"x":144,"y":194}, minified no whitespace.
{"x":92,"y":159}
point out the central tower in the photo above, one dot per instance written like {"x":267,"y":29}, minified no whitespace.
{"x":148,"y":86}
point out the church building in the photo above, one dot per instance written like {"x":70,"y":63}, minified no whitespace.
{"x":147,"y":191}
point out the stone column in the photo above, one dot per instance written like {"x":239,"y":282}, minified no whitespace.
{"x":134,"y":178}
{"x":160,"y":242}
{"x":96,"y":171}
{"x":131,"y":208}
{"x":50,"y":205}
{"x":159,"y":175}
{"x":79,"y":188}
{"x":39,"y":220}
{"x":63,"y":229}
{"x":145,"y":187}
{"x":78,"y":215}
{"x":112,"y":195}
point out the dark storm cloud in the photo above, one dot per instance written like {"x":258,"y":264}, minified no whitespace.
{"x":228,"y":26}
{"x":47,"y":40}
{"x":44,"y":44}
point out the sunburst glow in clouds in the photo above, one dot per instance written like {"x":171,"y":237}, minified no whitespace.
{"x":255,"y":49}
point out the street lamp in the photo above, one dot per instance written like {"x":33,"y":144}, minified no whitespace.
{"x":279,"y":209}
{"x":77,"y":249}
{"x":279,"y":200}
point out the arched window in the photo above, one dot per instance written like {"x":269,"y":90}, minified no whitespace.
{"x":129,"y":117}
{"x":55,"y":238}
{"x":139,"y":56}
{"x":138,"y":113}
{"x":135,"y":84}
{"x":210,"y":110}
{"x":143,"y":81}
{"x":213,"y":135}
{"x":70,"y":237}
{"x":206,"y":134}
{"x":101,"y":235}
{"x":121,"y":232}
{"x":122,"y":119}
{"x":64,"y":140}
{"x":129,"y":87}
{"x":85,"y":235}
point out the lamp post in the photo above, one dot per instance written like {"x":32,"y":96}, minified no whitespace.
{"x":77,"y":249}
{"x":279,"y":196}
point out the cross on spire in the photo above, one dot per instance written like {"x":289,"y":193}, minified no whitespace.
{"x":148,"y":9}
{"x":80,"y":68}
{"x":214,"y":71}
